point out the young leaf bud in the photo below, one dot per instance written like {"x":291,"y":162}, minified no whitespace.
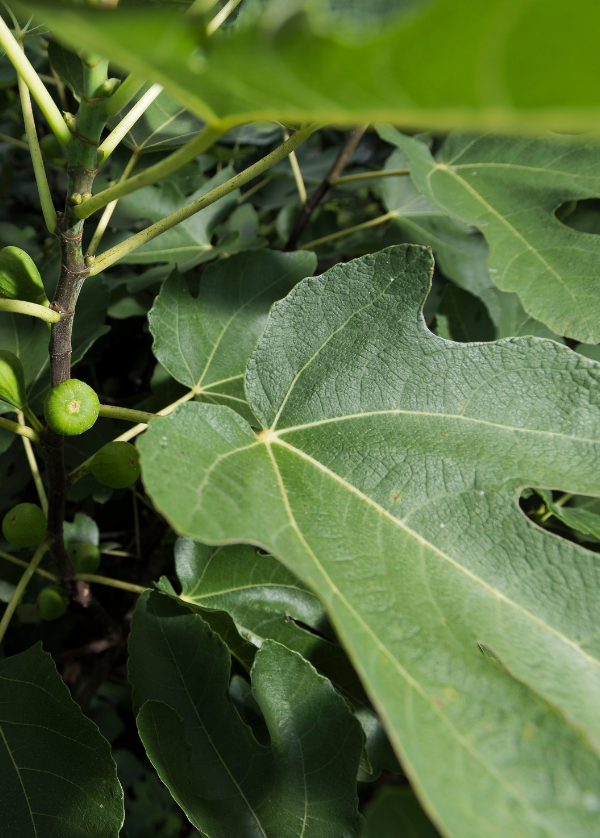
{"x":71,"y":407}
{"x":108,"y":88}
{"x":71,"y":122}
{"x":76,"y":198}
{"x":24,"y":525}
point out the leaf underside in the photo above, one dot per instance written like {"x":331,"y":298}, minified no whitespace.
{"x":442,"y":65}
{"x":387,"y":478}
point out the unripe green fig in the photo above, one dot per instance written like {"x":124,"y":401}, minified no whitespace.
{"x":12,"y":380}
{"x":24,"y":525}
{"x":53,"y":601}
{"x":84,"y":557}
{"x":50,"y":146}
{"x":71,"y":407}
{"x":19,"y":277}
{"x":117,"y":464}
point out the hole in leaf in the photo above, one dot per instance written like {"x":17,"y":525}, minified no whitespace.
{"x":583,"y":216}
{"x":573,"y":517}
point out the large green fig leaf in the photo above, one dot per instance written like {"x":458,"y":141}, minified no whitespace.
{"x":387,"y":478}
{"x":302,"y":784}
{"x":268,"y":602}
{"x":204,"y":341}
{"x":441,"y":64}
{"x":510,"y":188}
{"x":20,"y":278}
{"x":57,"y":776}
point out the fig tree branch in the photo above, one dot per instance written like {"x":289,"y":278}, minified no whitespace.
{"x":322,"y":190}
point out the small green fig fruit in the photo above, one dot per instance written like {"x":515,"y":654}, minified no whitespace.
{"x":71,"y":407}
{"x":50,"y":146}
{"x":19,"y":277}
{"x":24,"y":525}
{"x":53,"y":601}
{"x":117,"y":464}
{"x":84,"y":557}
{"x":12,"y":380}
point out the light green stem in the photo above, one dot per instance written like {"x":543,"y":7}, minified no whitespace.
{"x":6,"y":138}
{"x":255,"y":188}
{"x":296,"y":172}
{"x":37,"y":425}
{"x":36,"y":156}
{"x":34,"y":83}
{"x":123,"y":94}
{"x":78,"y":577}
{"x":222,"y":16}
{"x":128,"y":121}
{"x":20,"y":430}
{"x":33,"y":309}
{"x":357,"y":227}
{"x":370,"y":176}
{"x":20,"y":589}
{"x":111,"y":412}
{"x":174,"y":161}
{"x":110,"y":208}
{"x":37,"y":477}
{"x":113,"y":255}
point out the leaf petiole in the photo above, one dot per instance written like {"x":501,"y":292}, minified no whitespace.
{"x":20,"y":589}
{"x":34,"y":83}
{"x":33,"y":309}
{"x":20,"y":430}
{"x":128,"y":121}
{"x":113,"y":255}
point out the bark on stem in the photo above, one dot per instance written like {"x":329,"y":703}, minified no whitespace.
{"x":81,"y":170}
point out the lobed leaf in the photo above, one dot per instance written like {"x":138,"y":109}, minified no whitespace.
{"x":387,"y":477}
{"x":510,"y":188}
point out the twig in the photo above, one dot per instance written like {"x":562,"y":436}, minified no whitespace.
{"x":381,"y":219}
{"x":127,"y":123}
{"x":6,"y":138}
{"x":315,"y":199}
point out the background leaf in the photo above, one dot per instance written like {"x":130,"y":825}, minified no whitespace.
{"x":387,"y":479}
{"x":302,"y":784}
{"x":56,"y":770}
{"x":267,"y":602}
{"x":510,"y":188}
{"x":396,"y":813}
